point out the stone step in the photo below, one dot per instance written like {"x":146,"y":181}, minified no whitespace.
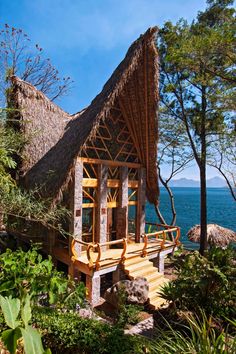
{"x":142,"y":267}
{"x":151,"y":278}
{"x":152,"y":294}
{"x":135,"y":260}
{"x":146,"y":269}
{"x":157,"y":283}
{"x":156,"y":302}
{"x":136,"y":266}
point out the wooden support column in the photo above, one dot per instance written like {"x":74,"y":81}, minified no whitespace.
{"x":76,"y":207}
{"x":93,"y":284}
{"x":140,"y":216}
{"x":101,"y":219}
{"x":122,"y":210}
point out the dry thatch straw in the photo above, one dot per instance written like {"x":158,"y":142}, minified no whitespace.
{"x":216,"y":235}
{"x":60,"y":137}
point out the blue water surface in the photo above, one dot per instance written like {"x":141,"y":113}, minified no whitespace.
{"x":221,"y":209}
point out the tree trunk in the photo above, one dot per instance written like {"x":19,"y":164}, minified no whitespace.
{"x":202,"y":167}
{"x":203,"y":208}
{"x":159,"y":215}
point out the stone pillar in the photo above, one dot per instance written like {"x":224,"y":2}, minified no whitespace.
{"x":140,"y":216}
{"x":93,"y":284}
{"x":116,"y":275}
{"x":122,"y":210}
{"x":160,"y":262}
{"x":101,"y":219}
{"x":76,"y":208}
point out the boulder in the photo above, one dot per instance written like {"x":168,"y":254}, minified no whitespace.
{"x":136,"y":291}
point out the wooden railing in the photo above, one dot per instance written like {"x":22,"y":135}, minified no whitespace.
{"x":94,"y":251}
{"x":92,"y":247}
{"x":162,"y":235}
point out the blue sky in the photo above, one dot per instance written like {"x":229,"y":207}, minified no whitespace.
{"x":86,"y":39}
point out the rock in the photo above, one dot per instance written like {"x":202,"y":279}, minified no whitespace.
{"x":86,"y":312}
{"x":135,"y":290}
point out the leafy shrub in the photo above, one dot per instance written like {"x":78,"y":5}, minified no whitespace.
{"x":19,"y":327}
{"x":208,"y":282}
{"x":24,"y":273}
{"x":69,"y":333}
{"x":198,"y":336}
{"x":126,"y":313}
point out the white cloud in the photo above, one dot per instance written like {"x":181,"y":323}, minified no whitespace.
{"x":103,"y":23}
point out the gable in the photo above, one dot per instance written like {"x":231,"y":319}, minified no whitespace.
{"x":112,"y":140}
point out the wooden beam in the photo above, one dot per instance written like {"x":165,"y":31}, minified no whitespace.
{"x":111,"y":183}
{"x":109,"y":162}
{"x":133,"y":184}
{"x":140,"y":215}
{"x":90,"y":182}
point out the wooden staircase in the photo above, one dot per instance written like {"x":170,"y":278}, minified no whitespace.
{"x":142,"y":267}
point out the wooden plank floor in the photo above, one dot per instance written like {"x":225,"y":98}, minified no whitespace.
{"x":112,"y":256}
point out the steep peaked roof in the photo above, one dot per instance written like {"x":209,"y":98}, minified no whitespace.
{"x":52,"y":152}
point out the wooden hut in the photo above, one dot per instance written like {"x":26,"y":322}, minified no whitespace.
{"x":101,"y":164}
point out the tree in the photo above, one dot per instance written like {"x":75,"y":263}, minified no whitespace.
{"x":19,"y":57}
{"x":223,"y":158}
{"x":196,"y":61}
{"x":173,"y":151}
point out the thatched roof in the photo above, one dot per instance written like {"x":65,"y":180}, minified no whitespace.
{"x":60,"y":137}
{"x":216,"y":235}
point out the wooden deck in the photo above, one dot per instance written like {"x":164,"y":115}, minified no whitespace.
{"x":110,"y":257}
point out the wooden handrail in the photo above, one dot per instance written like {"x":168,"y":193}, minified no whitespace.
{"x":91,"y":247}
{"x":164,"y":233}
{"x":90,"y":259}
{"x":177,"y":242}
{"x":145,"y":241}
{"x":108,"y":243}
{"x":164,"y":239}
{"x":124,"y":249}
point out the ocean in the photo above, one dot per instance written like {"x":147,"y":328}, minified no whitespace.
{"x":221,"y":209}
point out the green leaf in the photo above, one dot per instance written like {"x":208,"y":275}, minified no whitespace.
{"x":7,"y":285}
{"x":10,"y":338}
{"x":47,"y":351}
{"x":10,"y":308}
{"x":32,"y":341}
{"x":26,"y":311}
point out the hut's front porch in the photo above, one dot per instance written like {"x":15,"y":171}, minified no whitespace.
{"x":97,"y":259}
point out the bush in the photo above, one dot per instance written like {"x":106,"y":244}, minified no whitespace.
{"x":126,"y":313}
{"x":208,"y":282}
{"x":24,"y":273}
{"x":17,"y":316}
{"x":69,"y":333}
{"x":200,"y":335}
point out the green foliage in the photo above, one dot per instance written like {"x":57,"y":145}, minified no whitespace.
{"x":208,"y":282}
{"x":11,"y":309}
{"x":10,"y":144}
{"x":200,"y":335}
{"x":126,"y":313}
{"x":67,"y":332}
{"x":31,"y":338}
{"x":197,"y":86}
{"x":25,"y":205}
{"x":23,"y":273}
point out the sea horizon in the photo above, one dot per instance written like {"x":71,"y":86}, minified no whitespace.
{"x":221,"y":209}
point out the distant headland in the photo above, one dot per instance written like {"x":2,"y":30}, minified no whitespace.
{"x":214,"y":182}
